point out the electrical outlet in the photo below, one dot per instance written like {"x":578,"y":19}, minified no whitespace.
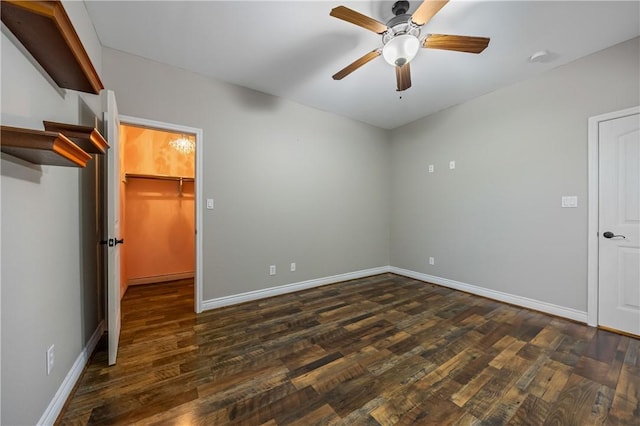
{"x":569,"y":201}
{"x":432,"y":261}
{"x":430,"y":168}
{"x":272,"y":270}
{"x":50,"y":359}
{"x":293,"y":266}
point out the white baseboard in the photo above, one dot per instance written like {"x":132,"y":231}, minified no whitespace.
{"x":289,"y":288}
{"x":525,"y":302}
{"x":55,"y":406}
{"x":161,"y":278}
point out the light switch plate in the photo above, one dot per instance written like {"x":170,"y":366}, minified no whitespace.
{"x":452,"y":164}
{"x":50,"y":359}
{"x":209,"y":203}
{"x":569,"y":201}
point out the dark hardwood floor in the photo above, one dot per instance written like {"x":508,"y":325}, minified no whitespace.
{"x":380,"y":350}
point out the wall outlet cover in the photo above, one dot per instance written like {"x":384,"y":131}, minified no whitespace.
{"x":569,"y":201}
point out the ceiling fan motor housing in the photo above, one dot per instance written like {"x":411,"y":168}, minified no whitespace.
{"x":400,"y":7}
{"x":400,"y":25}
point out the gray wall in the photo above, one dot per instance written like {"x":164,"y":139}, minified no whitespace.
{"x":290,"y":183}
{"x":495,"y":221}
{"x":49,"y":264}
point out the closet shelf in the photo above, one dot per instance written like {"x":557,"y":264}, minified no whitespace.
{"x":179,"y":179}
{"x":42,"y":147}
{"x":86,"y":137}
{"x":159,"y":177}
{"x":45,"y":30}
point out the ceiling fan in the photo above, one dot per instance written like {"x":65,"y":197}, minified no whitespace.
{"x":401,"y":38}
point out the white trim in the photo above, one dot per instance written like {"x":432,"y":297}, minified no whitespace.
{"x":289,"y":288}
{"x":199,"y":188}
{"x":525,"y":302}
{"x":198,"y":294}
{"x":160,"y":278}
{"x":60,"y":398}
{"x":592,"y":227}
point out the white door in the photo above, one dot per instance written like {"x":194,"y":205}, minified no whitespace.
{"x":112,"y":127}
{"x":619,"y":224}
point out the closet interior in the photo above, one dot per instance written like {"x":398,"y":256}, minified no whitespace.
{"x":158,"y":205}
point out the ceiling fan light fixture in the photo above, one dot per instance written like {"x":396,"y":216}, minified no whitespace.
{"x":401,"y":49}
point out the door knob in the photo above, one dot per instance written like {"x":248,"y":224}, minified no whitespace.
{"x":610,"y":234}
{"x":112,"y":242}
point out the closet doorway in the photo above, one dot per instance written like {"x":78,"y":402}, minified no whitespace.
{"x":159,"y":204}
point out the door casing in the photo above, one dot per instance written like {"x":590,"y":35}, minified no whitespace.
{"x":593,"y":241}
{"x":159,"y":125}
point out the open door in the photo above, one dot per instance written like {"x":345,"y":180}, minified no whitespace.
{"x":112,"y":128}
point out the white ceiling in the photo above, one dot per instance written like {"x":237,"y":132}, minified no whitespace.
{"x":292,"y":48}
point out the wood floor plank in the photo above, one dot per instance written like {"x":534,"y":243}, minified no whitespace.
{"x":323,"y":416}
{"x":469,"y":390}
{"x":433,"y":411}
{"x":532,"y":411}
{"x":579,"y":403}
{"x":625,"y":407}
{"x":382,"y":350}
{"x":603,"y":346}
{"x":503,"y":411}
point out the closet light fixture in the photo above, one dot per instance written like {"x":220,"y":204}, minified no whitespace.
{"x":183,"y":144}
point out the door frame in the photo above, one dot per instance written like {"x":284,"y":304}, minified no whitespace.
{"x":178,"y":128}
{"x":593,"y":214}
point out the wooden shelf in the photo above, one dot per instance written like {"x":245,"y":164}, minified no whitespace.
{"x":180,"y":179}
{"x":158,"y":177}
{"x":86,"y":137}
{"x":45,"y":30}
{"x":41,"y":147}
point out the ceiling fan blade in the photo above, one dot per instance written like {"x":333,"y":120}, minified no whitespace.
{"x":455,"y":42}
{"x":403,"y":77}
{"x":427,"y":10}
{"x":357,"y":18}
{"x":356,"y":64}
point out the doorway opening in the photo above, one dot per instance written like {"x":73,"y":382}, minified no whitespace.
{"x":159,"y":204}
